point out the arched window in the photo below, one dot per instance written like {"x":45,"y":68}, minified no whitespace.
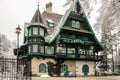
{"x":64,"y":68}
{"x":42,"y":68}
{"x":85,"y":69}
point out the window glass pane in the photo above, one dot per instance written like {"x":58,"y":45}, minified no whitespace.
{"x":41,"y":49}
{"x":29,"y":49}
{"x":26,"y":31}
{"x":35,"y":30}
{"x":82,"y":51}
{"x":51,"y":25}
{"x":29,"y":31}
{"x":75,"y":24}
{"x":41,"y":31}
{"x":63,"y":49}
{"x":90,"y":52}
{"x":49,"y":49}
{"x":64,"y":68}
{"x":42,"y":68}
{"x":71,"y":50}
{"x":59,"y":49}
{"x":35,"y":48}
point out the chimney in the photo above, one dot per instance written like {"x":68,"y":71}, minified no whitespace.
{"x":49,"y":7}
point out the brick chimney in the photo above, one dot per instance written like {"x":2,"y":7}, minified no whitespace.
{"x":49,"y":7}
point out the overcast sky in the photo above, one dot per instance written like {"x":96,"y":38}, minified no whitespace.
{"x":14,"y":12}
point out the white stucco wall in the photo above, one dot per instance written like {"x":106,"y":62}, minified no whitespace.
{"x":79,"y":65}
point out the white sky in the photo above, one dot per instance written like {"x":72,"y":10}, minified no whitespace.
{"x":14,"y":12}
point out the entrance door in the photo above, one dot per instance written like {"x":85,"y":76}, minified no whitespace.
{"x":85,"y":70}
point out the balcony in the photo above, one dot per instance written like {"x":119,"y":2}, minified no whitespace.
{"x":79,"y":41}
{"x":77,"y":57}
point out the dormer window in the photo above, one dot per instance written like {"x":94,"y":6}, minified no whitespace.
{"x":75,"y":24}
{"x":50,"y":23}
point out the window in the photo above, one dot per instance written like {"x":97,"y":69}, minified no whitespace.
{"x":26,"y":31}
{"x":35,"y":48}
{"x":82,"y":51}
{"x":41,"y":49}
{"x":90,"y":52}
{"x":64,"y":68}
{"x":42,"y":68}
{"x":61,"y":49}
{"x":29,"y":31}
{"x":29,"y":47}
{"x":71,"y":50}
{"x":35,"y":30}
{"x":51,"y":25}
{"x":85,"y":68}
{"x":49,"y":49}
{"x":41,"y":31}
{"x":75,"y":24}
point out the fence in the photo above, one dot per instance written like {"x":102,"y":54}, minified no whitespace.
{"x":13,"y":69}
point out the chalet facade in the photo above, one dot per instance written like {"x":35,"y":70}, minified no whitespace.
{"x":65,"y":42}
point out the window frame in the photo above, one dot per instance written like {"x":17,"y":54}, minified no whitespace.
{"x":50,"y":50}
{"x":42,"y":68}
{"x":50,"y":25}
{"x":35,"y":31}
{"x":41,"y":31}
{"x":75,"y":24}
{"x":33,"y":48}
{"x":64,"y":68}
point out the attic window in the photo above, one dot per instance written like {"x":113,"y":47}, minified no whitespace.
{"x":50,"y":23}
{"x":75,"y":24}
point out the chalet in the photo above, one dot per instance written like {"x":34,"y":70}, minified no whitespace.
{"x":58,"y":43}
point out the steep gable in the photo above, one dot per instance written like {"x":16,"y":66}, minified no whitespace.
{"x":75,"y":11}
